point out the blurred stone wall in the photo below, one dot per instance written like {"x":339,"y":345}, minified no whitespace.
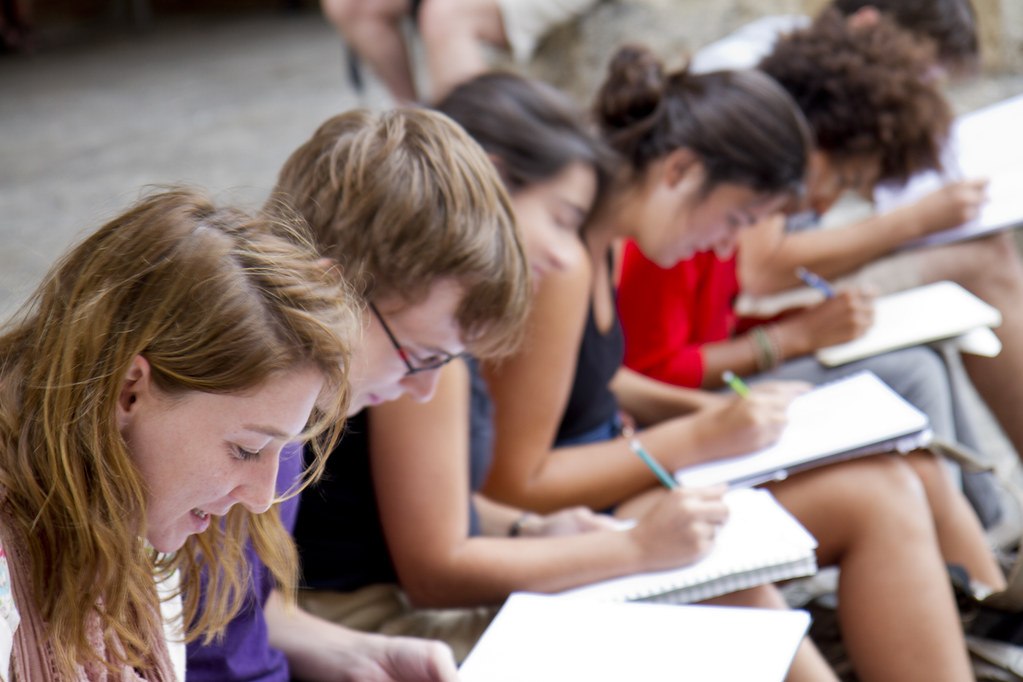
{"x":1001,"y":35}
{"x":574,"y":56}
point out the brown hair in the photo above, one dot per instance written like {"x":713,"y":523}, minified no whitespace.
{"x":216,"y":301}
{"x":404,"y":198}
{"x":863,"y":92}
{"x":743,"y":127}
{"x":950,"y":24}
{"x":534,"y":129}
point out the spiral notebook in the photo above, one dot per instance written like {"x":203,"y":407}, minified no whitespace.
{"x":544,"y":638}
{"x":761,"y":543}
{"x":855,"y":416}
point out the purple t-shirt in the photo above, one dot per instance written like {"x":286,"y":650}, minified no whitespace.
{"x":244,"y":653}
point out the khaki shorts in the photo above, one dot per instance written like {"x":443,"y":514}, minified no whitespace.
{"x":527,"y":21}
{"x":385,"y":609}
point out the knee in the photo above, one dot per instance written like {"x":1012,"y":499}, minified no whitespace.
{"x":339,"y":12}
{"x":858,"y":500}
{"x":438,"y":20}
{"x":994,"y":271}
{"x":932,"y":472}
{"x":344,"y":13}
{"x":891,"y":490}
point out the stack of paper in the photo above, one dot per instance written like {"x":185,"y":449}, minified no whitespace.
{"x":538,"y":638}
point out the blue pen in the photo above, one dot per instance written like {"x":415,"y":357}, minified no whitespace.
{"x":819,"y":283}
{"x":655,"y":466}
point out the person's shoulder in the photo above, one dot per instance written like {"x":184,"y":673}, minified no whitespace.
{"x":574,"y":274}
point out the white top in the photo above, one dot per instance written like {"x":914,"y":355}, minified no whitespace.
{"x":747,"y":45}
{"x":173,"y":625}
{"x":9,"y":618}
{"x":170,"y":610}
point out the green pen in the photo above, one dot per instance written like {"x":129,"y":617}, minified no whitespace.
{"x":736,"y":384}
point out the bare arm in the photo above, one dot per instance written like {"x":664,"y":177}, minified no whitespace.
{"x":769,"y":256}
{"x":498,"y":520}
{"x":836,"y":320}
{"x":419,"y":459}
{"x":530,"y":392}
{"x":651,"y":401}
{"x":319,"y":650}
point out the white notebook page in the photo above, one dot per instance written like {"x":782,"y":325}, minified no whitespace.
{"x":838,"y":417}
{"x":543,"y":638}
{"x":908,"y":318}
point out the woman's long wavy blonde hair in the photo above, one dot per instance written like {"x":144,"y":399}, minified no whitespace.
{"x":216,"y":301}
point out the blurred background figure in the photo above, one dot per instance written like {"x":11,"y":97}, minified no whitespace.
{"x":16,"y":26}
{"x":456,"y":36}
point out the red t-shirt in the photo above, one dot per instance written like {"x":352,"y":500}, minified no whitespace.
{"x":669,"y":314}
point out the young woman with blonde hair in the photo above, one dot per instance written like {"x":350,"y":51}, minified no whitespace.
{"x":146,"y":392}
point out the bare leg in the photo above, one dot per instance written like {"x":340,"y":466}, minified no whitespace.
{"x":808,"y":665}
{"x":991,"y":269}
{"x":959,"y":532}
{"x":898,"y":616}
{"x":373,"y":29}
{"x":454,"y":32}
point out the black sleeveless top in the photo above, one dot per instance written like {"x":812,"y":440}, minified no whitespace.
{"x":340,"y":540}
{"x":591,"y":403}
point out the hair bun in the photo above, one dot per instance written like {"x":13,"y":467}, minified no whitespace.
{"x":633,"y":89}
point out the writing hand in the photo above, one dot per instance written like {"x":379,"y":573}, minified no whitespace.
{"x":841,"y":318}
{"x":680,"y":527}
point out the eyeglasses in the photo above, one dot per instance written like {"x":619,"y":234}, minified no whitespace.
{"x":430,"y":364}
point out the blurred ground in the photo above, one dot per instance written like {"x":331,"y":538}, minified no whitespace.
{"x":217,"y":100}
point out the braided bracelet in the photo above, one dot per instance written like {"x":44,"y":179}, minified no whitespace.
{"x":765,"y":350}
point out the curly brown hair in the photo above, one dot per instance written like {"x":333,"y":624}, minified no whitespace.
{"x":863,"y":90}
{"x":951,"y":24}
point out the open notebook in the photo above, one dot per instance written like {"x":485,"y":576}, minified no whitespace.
{"x":985,"y":143}
{"x":543,"y":638}
{"x":932,"y":312}
{"x":761,"y":543}
{"x":851,"y":417}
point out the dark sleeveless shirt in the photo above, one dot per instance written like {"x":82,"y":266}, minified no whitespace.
{"x":591,"y":403}
{"x":340,"y":540}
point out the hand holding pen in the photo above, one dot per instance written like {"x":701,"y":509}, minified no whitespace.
{"x":752,"y":421}
{"x":811,"y":279}
{"x":686,"y":520}
{"x":840,"y":317}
